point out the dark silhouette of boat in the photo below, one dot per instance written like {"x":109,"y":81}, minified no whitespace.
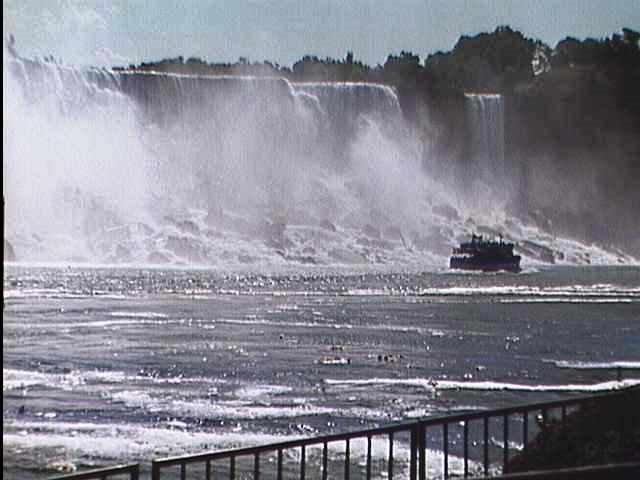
{"x":485,"y":255}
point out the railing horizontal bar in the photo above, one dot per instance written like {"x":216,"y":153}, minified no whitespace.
{"x":385,"y":430}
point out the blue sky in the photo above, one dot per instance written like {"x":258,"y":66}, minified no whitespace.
{"x":117,"y":32}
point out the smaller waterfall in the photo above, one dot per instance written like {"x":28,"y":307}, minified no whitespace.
{"x":485,"y":127}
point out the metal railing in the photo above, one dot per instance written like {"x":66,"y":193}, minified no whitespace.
{"x":473,"y":440}
{"x":133,"y":472}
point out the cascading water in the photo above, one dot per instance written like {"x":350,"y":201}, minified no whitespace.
{"x":142,"y":167}
{"x":485,"y":126}
{"x":150,"y":168}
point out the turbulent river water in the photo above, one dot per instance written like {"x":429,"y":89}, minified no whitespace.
{"x":106,"y":365}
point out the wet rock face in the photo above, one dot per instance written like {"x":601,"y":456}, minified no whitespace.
{"x":327,"y":225}
{"x":371,"y":231}
{"x":186,"y":248}
{"x":446,"y":211}
{"x":157,"y":258}
{"x":9,"y":252}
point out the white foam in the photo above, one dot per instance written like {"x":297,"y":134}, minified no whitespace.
{"x":254,"y":391}
{"x":325,"y":324}
{"x":114,"y":324}
{"x":51,"y":293}
{"x":431,"y":384}
{"x":233,"y":410}
{"x":124,"y":441}
{"x":586,"y":365}
{"x":570,"y":300}
{"x":575,"y":291}
{"x":13,"y":379}
{"x":19,"y":379}
{"x":125,"y":314}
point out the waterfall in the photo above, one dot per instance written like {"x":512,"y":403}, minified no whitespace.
{"x":110,"y":166}
{"x":118,"y":167}
{"x":485,"y":127}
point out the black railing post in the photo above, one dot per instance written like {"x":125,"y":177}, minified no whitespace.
{"x":445,"y":448}
{"x":486,"y":444}
{"x":303,"y":460}
{"x":413,"y":456}
{"x":390,"y":463}
{"x":279,"y":465}
{"x":256,"y":466}
{"x":347,"y":461}
{"x":422,"y":447}
{"x":155,"y":471}
{"x":466,"y":448}
{"x":525,"y":430}
{"x":135,"y":472}
{"x":505,"y":450}
{"x":325,"y":472}
{"x":368,"y":457}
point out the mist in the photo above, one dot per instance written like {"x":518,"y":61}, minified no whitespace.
{"x":155,"y":168}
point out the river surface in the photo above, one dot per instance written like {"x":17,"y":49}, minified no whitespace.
{"x":103,"y":366}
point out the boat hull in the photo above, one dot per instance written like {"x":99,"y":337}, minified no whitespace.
{"x":484,"y":265}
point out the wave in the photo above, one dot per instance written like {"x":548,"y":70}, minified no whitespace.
{"x":570,"y":300}
{"x":227,"y":410}
{"x":597,"y":290}
{"x":21,"y":379}
{"x":331,"y":325}
{"x":123,"y":441}
{"x":138,"y":314}
{"x":58,"y":294}
{"x":14,"y":379}
{"x":431,"y":384}
{"x":590,"y":365}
